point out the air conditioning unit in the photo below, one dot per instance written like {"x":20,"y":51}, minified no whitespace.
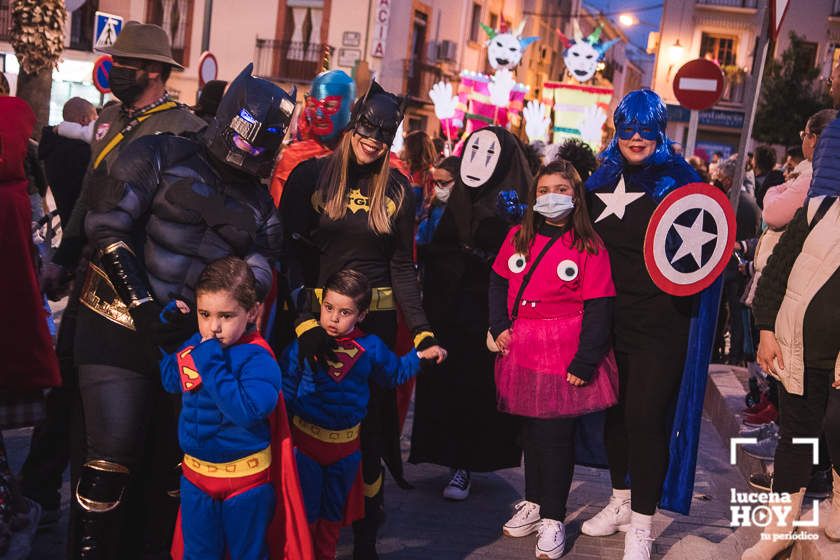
{"x":447,"y":50}
{"x":432,"y":51}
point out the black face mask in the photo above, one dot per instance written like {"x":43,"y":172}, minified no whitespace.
{"x":125,"y":84}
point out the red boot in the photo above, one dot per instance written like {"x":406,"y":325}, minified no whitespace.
{"x":325,"y":538}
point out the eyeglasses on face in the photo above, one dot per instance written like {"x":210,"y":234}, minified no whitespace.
{"x":805,"y":133}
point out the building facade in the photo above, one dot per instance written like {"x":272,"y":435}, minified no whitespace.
{"x":726,"y":31}
{"x":407,"y":45}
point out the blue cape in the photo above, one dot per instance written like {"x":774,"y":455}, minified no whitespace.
{"x":658,"y":180}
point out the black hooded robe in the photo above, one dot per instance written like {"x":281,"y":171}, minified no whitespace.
{"x":456,"y":422}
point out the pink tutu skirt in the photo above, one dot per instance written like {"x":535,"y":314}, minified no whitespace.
{"x":531,"y":377}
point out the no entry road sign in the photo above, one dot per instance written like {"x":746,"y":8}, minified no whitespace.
{"x":698,"y":84}
{"x":101,"y":72}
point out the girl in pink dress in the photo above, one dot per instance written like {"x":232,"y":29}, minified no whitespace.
{"x":551,"y":299}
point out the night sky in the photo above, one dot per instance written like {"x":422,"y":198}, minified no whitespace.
{"x":649,"y":19}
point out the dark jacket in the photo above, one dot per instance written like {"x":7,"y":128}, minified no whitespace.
{"x":65,"y":161}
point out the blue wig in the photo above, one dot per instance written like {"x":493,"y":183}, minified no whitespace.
{"x":645,"y":108}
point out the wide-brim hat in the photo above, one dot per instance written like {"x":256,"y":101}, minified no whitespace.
{"x":144,"y":41}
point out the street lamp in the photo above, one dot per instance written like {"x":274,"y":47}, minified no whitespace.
{"x":627,"y":20}
{"x":675,"y":52}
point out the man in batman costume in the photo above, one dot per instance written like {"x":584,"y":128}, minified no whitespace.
{"x":176,"y":204}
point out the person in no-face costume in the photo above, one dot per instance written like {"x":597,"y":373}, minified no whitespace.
{"x":350,"y":210}
{"x":662,"y":343}
{"x":324,"y":117}
{"x":176,"y":205}
{"x":456,"y":423}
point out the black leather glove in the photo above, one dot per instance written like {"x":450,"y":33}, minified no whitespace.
{"x":164,"y":328}
{"x":146,"y":316}
{"x":316,"y":347}
{"x":175,"y":327}
{"x":427,"y":342}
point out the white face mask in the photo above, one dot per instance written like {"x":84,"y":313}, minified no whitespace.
{"x":554,"y":205}
{"x":480,"y":158}
{"x":442,"y":193}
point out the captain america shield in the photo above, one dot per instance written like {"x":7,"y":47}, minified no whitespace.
{"x":689,"y":239}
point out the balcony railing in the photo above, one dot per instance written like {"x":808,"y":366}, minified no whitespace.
{"x":420,"y":77}
{"x":730,"y":3}
{"x":734,"y":91}
{"x":5,"y":21}
{"x":290,"y":61}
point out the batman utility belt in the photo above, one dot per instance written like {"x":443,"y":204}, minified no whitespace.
{"x":246,"y":466}
{"x":381,"y":299}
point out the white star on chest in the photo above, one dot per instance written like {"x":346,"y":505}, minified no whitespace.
{"x":617,"y":201}
{"x":693,"y":239}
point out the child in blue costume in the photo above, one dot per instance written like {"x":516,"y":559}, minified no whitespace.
{"x":231,"y":385}
{"x":328,"y":402}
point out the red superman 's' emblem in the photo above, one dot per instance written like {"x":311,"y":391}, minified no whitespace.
{"x":347,"y":353}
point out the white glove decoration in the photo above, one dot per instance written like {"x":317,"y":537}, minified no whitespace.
{"x":399,"y":140}
{"x":445,"y":103}
{"x":76,"y":131}
{"x":500,"y":87}
{"x":591,"y":127}
{"x":536,"y":120}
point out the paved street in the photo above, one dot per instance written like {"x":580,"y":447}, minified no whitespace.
{"x":422,"y":525}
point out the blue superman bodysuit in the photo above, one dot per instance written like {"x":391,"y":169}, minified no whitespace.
{"x":327,"y":407}
{"x":227,"y":499}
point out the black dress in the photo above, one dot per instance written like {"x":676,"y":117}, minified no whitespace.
{"x":456,"y":422}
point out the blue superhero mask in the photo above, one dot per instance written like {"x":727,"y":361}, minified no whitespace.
{"x":630,"y":129}
{"x":327,"y":109}
{"x":643,"y":112}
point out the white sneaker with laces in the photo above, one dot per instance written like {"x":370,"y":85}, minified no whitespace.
{"x":525,"y":520}
{"x":614,"y":517}
{"x":637,"y":544}
{"x":458,"y":487}
{"x":552,"y":540}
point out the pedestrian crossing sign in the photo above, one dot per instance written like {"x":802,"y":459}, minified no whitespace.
{"x":108,"y":26}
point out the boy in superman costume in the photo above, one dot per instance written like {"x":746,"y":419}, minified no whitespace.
{"x":240,"y":495}
{"x":328,"y":401}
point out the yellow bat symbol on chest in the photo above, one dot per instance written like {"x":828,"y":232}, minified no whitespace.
{"x":357,"y":201}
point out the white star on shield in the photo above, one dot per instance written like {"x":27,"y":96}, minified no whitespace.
{"x":693,"y":239}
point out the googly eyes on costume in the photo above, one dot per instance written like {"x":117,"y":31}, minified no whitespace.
{"x":516,"y":263}
{"x":567,"y":270}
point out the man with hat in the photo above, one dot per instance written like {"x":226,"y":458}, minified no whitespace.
{"x":142,"y":63}
{"x":142,"y":56}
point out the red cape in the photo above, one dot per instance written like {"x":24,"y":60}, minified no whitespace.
{"x":288,"y":533}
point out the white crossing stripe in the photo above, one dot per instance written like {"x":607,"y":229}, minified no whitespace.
{"x":698,"y":84}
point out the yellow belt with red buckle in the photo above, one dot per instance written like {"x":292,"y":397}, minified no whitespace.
{"x":324,"y":434}
{"x":246,"y":466}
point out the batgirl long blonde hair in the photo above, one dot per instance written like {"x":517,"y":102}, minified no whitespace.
{"x":334,"y":191}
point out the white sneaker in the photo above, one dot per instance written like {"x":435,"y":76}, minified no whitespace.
{"x":459,"y":486}
{"x":525,"y":520}
{"x":614,"y":517}
{"x":637,"y":543}
{"x":552,"y":539}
